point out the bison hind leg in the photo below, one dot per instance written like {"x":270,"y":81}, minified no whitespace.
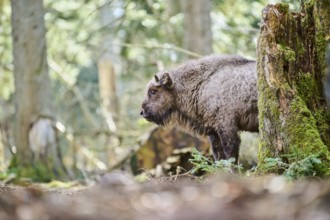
{"x":217,"y":150}
{"x":230,"y":142}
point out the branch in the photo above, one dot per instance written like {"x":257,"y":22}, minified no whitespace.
{"x":160,"y":46}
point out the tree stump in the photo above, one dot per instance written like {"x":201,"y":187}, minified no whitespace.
{"x":294,"y":120}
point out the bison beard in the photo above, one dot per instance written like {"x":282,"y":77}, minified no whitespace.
{"x":215,"y":96}
{"x":159,"y":119}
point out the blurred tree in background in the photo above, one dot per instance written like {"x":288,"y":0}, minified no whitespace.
{"x":34,"y":133}
{"x":100,"y":56}
{"x":197,"y":26}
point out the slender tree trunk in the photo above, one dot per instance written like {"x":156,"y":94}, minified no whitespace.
{"x":107,"y":76}
{"x":34,"y":133}
{"x":107,"y":85}
{"x":197,"y":26}
{"x":294,"y":121}
{"x":173,"y":7}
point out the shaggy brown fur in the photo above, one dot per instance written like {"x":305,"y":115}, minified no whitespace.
{"x":214,"y":96}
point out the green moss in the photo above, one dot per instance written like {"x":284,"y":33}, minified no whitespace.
{"x":36,"y":171}
{"x":306,"y":87}
{"x":268,"y":113}
{"x":322,"y":117}
{"x":293,"y":121}
{"x":300,"y":47}
{"x":301,"y":124}
{"x":303,"y":134}
{"x":300,"y":127}
{"x":321,"y":48}
{"x":282,"y":7}
{"x":288,"y":54}
{"x":308,"y":90}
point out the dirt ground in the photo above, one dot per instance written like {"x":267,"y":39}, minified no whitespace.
{"x":118,"y":196}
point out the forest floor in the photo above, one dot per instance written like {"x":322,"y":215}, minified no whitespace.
{"x":118,"y":195}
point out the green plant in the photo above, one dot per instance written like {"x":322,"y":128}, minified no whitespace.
{"x":301,"y":168}
{"x":204,"y":164}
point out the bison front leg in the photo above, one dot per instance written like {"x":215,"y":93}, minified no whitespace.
{"x":230,"y":142}
{"x":216,"y":146}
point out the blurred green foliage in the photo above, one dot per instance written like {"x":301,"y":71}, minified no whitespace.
{"x":6,"y":79}
{"x":74,"y":32}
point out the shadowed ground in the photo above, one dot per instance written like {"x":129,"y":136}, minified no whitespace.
{"x":118,"y":196}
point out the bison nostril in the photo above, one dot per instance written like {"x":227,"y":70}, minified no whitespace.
{"x":141,"y":112}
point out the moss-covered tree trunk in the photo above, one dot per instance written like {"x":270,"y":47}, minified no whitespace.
{"x":293,"y":117}
{"x":37,"y":154}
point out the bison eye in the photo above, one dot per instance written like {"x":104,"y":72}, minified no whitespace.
{"x":152,"y":92}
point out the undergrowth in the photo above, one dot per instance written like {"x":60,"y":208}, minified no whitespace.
{"x":202,"y":163}
{"x":305,"y":167}
{"x":302,"y":168}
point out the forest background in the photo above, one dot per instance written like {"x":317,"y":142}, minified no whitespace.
{"x":100,"y":56}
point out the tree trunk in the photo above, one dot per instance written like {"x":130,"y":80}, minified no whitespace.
{"x":293,"y":118}
{"x":327,"y":82}
{"x":107,"y":86}
{"x":34,"y":133}
{"x":107,"y":77}
{"x":197,"y":26}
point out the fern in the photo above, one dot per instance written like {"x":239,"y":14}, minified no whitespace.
{"x":202,"y":163}
{"x":303,"y":168}
{"x":298,"y":169}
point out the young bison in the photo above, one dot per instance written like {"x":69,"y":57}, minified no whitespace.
{"x":214,"y":96}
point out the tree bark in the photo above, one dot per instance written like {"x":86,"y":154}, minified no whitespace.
{"x":327,"y":82}
{"x":197,"y":26}
{"x":108,"y":94}
{"x":294,"y":121}
{"x":107,"y":79}
{"x":34,"y":133}
{"x":107,"y":76}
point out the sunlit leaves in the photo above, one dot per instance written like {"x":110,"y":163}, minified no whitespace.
{"x":6,"y":67}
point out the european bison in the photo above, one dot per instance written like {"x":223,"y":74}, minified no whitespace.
{"x":214,"y":96}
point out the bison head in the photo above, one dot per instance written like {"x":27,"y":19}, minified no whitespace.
{"x":159,"y":100}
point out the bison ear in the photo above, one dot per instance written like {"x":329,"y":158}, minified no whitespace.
{"x":166,"y":81}
{"x":156,"y":78}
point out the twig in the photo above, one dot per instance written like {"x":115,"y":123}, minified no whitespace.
{"x":99,"y":8}
{"x":160,"y":46}
{"x":98,"y":163}
{"x":127,"y":155}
